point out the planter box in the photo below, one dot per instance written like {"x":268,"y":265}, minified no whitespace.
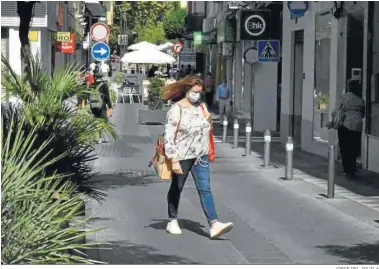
{"x":152,"y":117}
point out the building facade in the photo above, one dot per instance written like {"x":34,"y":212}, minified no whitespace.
{"x":329,"y":45}
{"x":51,"y":20}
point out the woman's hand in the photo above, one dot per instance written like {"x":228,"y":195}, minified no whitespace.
{"x":176,"y":168}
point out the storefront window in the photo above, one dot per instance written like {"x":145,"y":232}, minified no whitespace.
{"x":321,"y":76}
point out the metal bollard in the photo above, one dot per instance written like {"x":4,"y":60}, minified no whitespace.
{"x":289,"y":159}
{"x":236,"y":127}
{"x":267,"y":148}
{"x":225,"y":129}
{"x":248,"y":139}
{"x":331,"y":178}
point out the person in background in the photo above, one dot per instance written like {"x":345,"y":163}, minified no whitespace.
{"x":187,"y":131}
{"x":104,"y":67}
{"x":90,"y":76}
{"x":82,"y":80}
{"x":100,"y":96}
{"x":189,"y":70}
{"x":223,"y":98}
{"x":209,"y":89}
{"x":352,"y":108}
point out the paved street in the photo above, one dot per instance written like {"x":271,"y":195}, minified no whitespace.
{"x":276,"y":222}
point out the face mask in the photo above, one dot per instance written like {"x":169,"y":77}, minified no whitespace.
{"x":194,"y":97}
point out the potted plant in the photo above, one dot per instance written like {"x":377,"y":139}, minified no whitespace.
{"x":322,"y":101}
{"x":155,"y":112}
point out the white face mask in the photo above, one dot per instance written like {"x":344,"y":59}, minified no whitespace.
{"x":194,"y":97}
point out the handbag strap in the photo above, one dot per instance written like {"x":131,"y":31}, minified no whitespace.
{"x":177,"y":129}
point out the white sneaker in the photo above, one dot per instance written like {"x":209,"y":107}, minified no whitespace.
{"x":219,"y":228}
{"x":173,"y":227}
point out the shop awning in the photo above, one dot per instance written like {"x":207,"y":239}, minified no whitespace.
{"x":95,"y":8}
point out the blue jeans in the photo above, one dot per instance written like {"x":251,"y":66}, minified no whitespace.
{"x":201,"y":175}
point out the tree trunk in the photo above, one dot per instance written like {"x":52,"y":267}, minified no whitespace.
{"x":25,"y":12}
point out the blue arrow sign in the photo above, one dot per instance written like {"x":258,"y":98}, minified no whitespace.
{"x":268,"y":51}
{"x":298,"y":8}
{"x":100,"y":51}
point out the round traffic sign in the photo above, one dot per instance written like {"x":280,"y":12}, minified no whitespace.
{"x":178,"y":47}
{"x":298,"y":8}
{"x":100,"y":51}
{"x":99,"y":31}
{"x":255,"y":25}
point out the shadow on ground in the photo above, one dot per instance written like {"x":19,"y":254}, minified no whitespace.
{"x":125,"y":252}
{"x":185,"y":224}
{"x":118,"y":179}
{"x":356,"y":254}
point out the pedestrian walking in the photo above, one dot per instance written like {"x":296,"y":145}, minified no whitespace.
{"x":187,"y":144}
{"x":350,"y":111}
{"x":100,"y":101}
{"x":223,"y":99}
{"x":209,"y":89}
{"x":105,"y":71}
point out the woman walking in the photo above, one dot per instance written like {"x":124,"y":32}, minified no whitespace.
{"x":352,"y":110}
{"x":187,"y":145}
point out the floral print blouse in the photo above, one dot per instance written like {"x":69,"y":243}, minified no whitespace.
{"x":192,"y":133}
{"x":353,"y":111}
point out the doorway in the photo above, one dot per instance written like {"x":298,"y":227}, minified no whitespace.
{"x":297,"y":95}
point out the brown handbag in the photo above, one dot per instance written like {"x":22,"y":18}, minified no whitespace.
{"x":161,"y":163}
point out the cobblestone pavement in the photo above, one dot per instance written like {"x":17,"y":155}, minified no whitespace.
{"x":276,"y":222}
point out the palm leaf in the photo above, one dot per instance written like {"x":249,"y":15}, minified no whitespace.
{"x":34,"y":226}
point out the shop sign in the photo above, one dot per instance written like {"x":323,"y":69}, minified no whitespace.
{"x":67,"y":47}
{"x":33,"y":36}
{"x":62,"y":36}
{"x":226,"y":31}
{"x":255,"y":25}
{"x":197,"y":38}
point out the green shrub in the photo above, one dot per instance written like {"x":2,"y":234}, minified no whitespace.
{"x":45,"y":108}
{"x":155,"y":100}
{"x":119,"y":77}
{"x":36,"y":207}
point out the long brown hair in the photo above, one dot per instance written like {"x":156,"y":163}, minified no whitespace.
{"x":178,"y":89}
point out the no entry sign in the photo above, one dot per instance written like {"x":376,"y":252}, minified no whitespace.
{"x":99,"y":31}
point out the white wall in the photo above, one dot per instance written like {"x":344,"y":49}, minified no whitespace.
{"x":307,"y":23}
{"x":265,"y":96}
{"x":14,"y":51}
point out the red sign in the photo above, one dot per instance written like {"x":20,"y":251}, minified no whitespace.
{"x":178,"y":47}
{"x":67,"y":47}
{"x":100,"y":32}
{"x":60,"y":15}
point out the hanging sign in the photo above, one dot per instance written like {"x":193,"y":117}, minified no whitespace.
{"x":298,"y":8}
{"x":255,"y":25}
{"x":67,"y":47}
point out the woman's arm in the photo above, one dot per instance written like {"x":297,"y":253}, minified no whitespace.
{"x":338,"y":106}
{"x":171,"y":128}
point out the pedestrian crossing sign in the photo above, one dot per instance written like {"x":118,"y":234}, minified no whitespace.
{"x":268,"y":51}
